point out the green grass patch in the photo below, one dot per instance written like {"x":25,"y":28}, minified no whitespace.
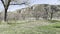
{"x":17,"y":28}
{"x":56,"y":25}
{"x":45,"y":30}
{"x":54,"y":21}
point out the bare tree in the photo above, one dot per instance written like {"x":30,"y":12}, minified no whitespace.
{"x":54,"y":9}
{"x":6,"y":7}
{"x":37,"y":11}
{"x":46,"y":8}
{"x":6,"y":4}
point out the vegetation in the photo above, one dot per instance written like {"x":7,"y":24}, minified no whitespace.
{"x":7,"y":3}
{"x":31,"y":27}
{"x":35,"y":19}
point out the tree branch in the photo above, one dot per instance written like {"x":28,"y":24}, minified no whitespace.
{"x":3,"y":2}
{"x":18,"y":4}
{"x":8,"y":3}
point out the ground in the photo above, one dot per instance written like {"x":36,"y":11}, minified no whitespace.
{"x":31,"y":27}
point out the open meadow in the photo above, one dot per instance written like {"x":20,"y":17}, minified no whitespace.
{"x":30,"y":27}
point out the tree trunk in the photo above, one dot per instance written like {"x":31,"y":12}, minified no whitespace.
{"x":5,"y":15}
{"x":51,"y":15}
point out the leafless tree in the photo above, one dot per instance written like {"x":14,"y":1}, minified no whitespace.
{"x":5,"y":7}
{"x":46,"y":8}
{"x":54,"y":9}
{"x":6,"y":4}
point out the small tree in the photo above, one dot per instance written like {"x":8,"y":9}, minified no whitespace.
{"x":54,"y":9}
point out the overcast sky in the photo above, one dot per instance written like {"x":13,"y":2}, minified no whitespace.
{"x":32,"y":2}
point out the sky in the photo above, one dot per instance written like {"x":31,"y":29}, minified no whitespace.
{"x":32,"y":2}
{"x":45,"y":1}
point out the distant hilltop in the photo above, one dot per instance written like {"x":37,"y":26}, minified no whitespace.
{"x":34,"y":11}
{"x":38,"y":6}
{"x":35,"y":5}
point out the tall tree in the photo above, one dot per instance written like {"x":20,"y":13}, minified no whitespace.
{"x":6,"y":4}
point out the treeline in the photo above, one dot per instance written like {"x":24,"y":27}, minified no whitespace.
{"x":36,"y":12}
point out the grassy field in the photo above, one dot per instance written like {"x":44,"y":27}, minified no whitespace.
{"x":31,"y":27}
